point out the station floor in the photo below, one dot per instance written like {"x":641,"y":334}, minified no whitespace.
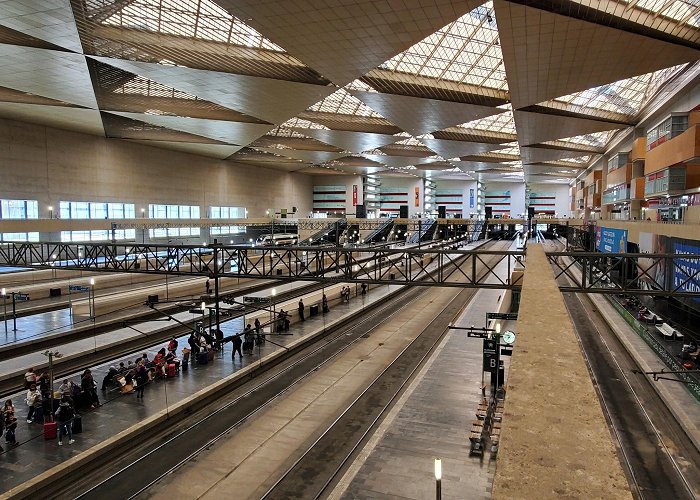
{"x":34,"y":455}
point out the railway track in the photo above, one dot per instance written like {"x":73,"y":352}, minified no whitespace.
{"x":659,"y":459}
{"x":183,"y":446}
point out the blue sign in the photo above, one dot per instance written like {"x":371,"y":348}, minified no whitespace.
{"x":610,"y":240}
{"x":78,"y":288}
{"x":471,"y":198}
{"x":685,"y":277}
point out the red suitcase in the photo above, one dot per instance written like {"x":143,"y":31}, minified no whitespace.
{"x":171,"y":370}
{"x":50,"y":430}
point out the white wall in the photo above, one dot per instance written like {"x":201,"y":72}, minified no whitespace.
{"x":343,"y":180}
{"x":517,"y":194}
{"x":407,"y":184}
{"x":462,"y":187}
{"x":562,"y":206}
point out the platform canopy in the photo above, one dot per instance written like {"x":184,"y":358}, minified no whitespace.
{"x":424,"y":88}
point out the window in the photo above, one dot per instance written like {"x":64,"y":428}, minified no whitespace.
{"x":95,"y":210}
{"x":98,"y":235}
{"x":19,"y":236}
{"x":156,"y":211}
{"x":19,"y":209}
{"x":173,"y":232}
{"x":227,"y":212}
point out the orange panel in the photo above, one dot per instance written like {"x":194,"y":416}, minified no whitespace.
{"x":639,"y":149}
{"x":637,"y":188}
{"x":679,"y":149}
{"x":692,"y":176}
{"x":622,"y":175}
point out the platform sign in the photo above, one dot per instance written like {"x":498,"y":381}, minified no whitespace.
{"x":490,"y":355}
{"x":503,"y":316}
{"x":256,"y":300}
{"x":78,"y":288}
{"x":21,"y":297}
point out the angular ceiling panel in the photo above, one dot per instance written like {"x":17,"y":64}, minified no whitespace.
{"x":456,"y":149}
{"x":63,"y":76}
{"x":275,"y":101}
{"x":536,"y":155}
{"x":538,"y":127}
{"x":344,"y":39}
{"x":86,"y":121}
{"x":50,"y":21}
{"x":397,"y":161}
{"x":307,"y":156}
{"x":549,"y":55}
{"x":420,"y":116}
{"x":220,"y":151}
{"x":219,"y":130}
{"x":355,"y":142}
{"x":480,"y":166}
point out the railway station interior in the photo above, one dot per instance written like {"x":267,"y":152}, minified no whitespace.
{"x":350,"y":249}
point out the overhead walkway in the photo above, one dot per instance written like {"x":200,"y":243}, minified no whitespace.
{"x":555,"y":439}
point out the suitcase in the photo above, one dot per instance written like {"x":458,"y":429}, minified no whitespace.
{"x":248,"y":345}
{"x":77,"y":424}
{"x":203,"y":358}
{"x":210,"y":354}
{"x":171,"y":370}
{"x":50,"y":430}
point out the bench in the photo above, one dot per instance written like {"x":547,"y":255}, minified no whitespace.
{"x":669,"y":332}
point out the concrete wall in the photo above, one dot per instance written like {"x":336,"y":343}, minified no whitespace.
{"x":562,"y":203}
{"x":51,"y":165}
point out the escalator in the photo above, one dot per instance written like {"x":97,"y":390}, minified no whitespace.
{"x":381,"y":233}
{"x":327,"y":236}
{"x":425,"y":231}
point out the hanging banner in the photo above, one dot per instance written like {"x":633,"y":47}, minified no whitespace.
{"x":471,"y":198}
{"x":354,"y":195}
{"x":417,"y":196}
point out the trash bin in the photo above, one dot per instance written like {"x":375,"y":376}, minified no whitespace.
{"x":153,"y":299}
{"x":313,"y":310}
{"x":54,"y":292}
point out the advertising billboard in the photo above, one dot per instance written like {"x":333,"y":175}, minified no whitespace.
{"x":610,"y":240}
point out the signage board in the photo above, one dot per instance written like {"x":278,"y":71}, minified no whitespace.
{"x":78,"y":288}
{"x":490,"y":355}
{"x":610,"y":240}
{"x":504,"y":316}
{"x":21,"y":297}
{"x":256,"y":300}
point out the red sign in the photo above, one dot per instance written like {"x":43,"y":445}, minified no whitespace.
{"x":417,"y":196}
{"x":354,"y":194}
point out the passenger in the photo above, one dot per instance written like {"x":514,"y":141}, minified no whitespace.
{"x":237,"y":342}
{"x":144,"y":358}
{"x":248,"y":339}
{"x":172,"y":345}
{"x":219,"y":336}
{"x":207,"y":287}
{"x":194,"y":345}
{"x":29,"y":378}
{"x":10,"y":422}
{"x":141,"y":379}
{"x":259,"y":337}
{"x":64,"y":418}
{"x":363,"y":289}
{"x":159,"y":363}
{"x":88,"y":385}
{"x":122,"y":368}
{"x":109,"y":379}
{"x":66,"y":388}
{"x":33,"y":400}
{"x":324,"y":304}
{"x":185,"y":356}
{"x":300,"y":308}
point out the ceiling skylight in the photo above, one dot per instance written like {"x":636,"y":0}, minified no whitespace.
{"x":502,"y":122}
{"x":340,"y":102}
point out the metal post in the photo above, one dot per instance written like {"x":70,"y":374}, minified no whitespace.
{"x":14,"y":313}
{"x":216,"y":288}
{"x":438,"y":479}
{"x":51,"y":384}
{"x":4,"y":302}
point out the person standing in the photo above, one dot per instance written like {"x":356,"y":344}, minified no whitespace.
{"x":208,"y":287}
{"x":88,"y":385}
{"x":237,"y":343}
{"x":301,"y":310}
{"x":324,"y":304}
{"x":141,"y":379}
{"x":29,"y":378}
{"x":10,"y":420}
{"x":64,"y":418}
{"x":33,"y":400}
{"x":259,"y":337}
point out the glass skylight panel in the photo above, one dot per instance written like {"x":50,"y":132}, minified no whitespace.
{"x":502,"y":122}
{"x":596,"y":139}
{"x":301,"y":123}
{"x":139,"y":85}
{"x":285,"y":132}
{"x":341,"y":102}
{"x":465,"y":51}
{"x":202,"y":19}
{"x":410,"y":141}
{"x":510,"y":149}
{"x":627,"y":97}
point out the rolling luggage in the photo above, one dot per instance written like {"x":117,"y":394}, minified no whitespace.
{"x":210,"y":354}
{"x":77,"y":424}
{"x":171,"y":370}
{"x":50,"y":430}
{"x":248,"y":345}
{"x":203,"y":358}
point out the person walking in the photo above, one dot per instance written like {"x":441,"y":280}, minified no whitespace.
{"x":301,"y":310}
{"x":88,"y":385}
{"x":141,"y":379}
{"x":33,"y":400}
{"x":64,"y":418}
{"x":208,"y":287}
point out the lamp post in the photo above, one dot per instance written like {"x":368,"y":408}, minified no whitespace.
{"x":438,"y":479}
{"x":91,"y":298}
{"x":51,"y":355}
{"x":274,"y":312}
{"x":4,"y":304}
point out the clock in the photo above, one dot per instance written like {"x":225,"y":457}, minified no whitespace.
{"x":508,"y":337}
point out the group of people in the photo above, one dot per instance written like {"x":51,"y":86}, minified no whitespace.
{"x":345,"y":294}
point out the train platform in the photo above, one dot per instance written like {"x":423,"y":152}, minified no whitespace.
{"x":118,"y":412}
{"x":431,"y":420}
